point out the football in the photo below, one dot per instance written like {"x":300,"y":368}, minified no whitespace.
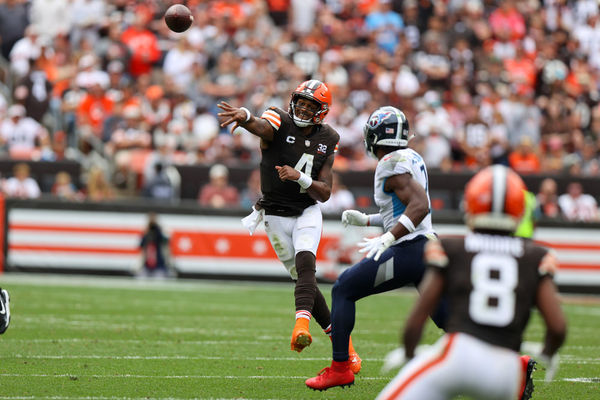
{"x":178,"y":18}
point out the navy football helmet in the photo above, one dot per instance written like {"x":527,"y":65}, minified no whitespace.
{"x":387,"y":126}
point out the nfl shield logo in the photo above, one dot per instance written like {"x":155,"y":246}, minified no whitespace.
{"x":307,"y":143}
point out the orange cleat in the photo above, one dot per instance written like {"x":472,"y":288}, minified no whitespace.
{"x":355,"y":362}
{"x":339,"y":374}
{"x":301,"y":337}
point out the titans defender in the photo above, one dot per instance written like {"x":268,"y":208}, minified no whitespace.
{"x":491,"y":281}
{"x":394,"y":259}
{"x":298,"y":151}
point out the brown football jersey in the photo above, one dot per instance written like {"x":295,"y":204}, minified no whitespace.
{"x":290,"y":147}
{"x":490,"y":283}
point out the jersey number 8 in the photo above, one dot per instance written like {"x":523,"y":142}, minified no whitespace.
{"x":494,"y":278}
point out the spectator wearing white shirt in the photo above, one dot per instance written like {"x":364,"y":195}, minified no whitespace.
{"x":576,"y":205}
{"x":25,"y":49}
{"x":44,"y":14}
{"x":22,"y":135}
{"x":21,"y":185}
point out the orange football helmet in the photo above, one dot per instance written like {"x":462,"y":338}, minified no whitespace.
{"x":495,"y":199}
{"x":316,"y":91}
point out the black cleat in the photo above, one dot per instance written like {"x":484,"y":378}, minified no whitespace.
{"x":528,"y":386}
{"x":4,"y":310}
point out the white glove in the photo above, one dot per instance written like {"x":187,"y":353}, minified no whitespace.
{"x":394,"y":359}
{"x":354,"y":217}
{"x":376,"y":245}
{"x":397,"y":358}
{"x":251,"y":221}
{"x":550,"y":364}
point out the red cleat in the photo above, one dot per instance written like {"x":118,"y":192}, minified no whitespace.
{"x":339,"y":374}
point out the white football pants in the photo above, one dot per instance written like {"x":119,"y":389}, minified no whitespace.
{"x":291,"y":235}
{"x":458,"y":364}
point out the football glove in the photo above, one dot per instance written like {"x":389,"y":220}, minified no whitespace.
{"x":397,"y":358}
{"x":550,"y":364}
{"x":354,"y":217}
{"x":376,"y":246}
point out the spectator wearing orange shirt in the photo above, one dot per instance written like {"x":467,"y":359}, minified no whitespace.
{"x":143,"y":45}
{"x":521,"y":68}
{"x":94,"y":108}
{"x":523,"y":159}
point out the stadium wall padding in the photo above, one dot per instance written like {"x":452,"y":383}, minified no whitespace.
{"x":104,"y":238}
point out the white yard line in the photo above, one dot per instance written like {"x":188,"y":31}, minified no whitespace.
{"x":566,"y":359}
{"x":119,"y":398}
{"x":236,"y":377}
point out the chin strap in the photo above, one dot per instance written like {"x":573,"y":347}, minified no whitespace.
{"x":302,"y":123}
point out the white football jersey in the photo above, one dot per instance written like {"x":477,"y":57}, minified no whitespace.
{"x":390,"y":207}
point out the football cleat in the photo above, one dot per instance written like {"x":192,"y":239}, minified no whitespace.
{"x":4,"y":310}
{"x":301,"y":337}
{"x":355,"y":362}
{"x":339,"y":374}
{"x":528,"y":364}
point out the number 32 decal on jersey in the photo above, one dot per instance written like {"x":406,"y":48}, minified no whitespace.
{"x":494,"y":278}
{"x":305,"y":162}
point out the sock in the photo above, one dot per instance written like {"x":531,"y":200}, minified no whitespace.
{"x":303,"y":318}
{"x":328,"y":331}
{"x":340,"y":366}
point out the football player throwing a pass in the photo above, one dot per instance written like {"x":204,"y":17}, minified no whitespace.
{"x":491,"y":280}
{"x":394,"y":259}
{"x":298,"y":150}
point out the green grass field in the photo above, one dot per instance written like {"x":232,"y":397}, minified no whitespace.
{"x":102,"y":338}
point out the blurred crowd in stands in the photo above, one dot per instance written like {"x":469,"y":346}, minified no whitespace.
{"x":106,"y":84}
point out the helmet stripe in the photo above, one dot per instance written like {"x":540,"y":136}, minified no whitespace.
{"x":313,"y":84}
{"x":499,"y":177}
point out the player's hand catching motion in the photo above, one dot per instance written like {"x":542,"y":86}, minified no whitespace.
{"x":376,"y":246}
{"x":287,"y":173}
{"x":231,"y":114}
{"x":354,"y":217}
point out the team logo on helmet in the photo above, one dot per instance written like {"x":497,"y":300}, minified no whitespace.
{"x":387,"y":126}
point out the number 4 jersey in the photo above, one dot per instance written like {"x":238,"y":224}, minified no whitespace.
{"x":290,"y":147}
{"x":491,"y":283}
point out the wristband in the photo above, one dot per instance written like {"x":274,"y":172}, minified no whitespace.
{"x":304,"y":181}
{"x":374,"y":220}
{"x":408,"y":224}
{"x":248,"y":115}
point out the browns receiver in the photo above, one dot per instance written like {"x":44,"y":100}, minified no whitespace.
{"x":491,"y":280}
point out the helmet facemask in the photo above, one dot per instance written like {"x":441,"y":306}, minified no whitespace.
{"x":313,"y":91}
{"x":310,"y":111}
